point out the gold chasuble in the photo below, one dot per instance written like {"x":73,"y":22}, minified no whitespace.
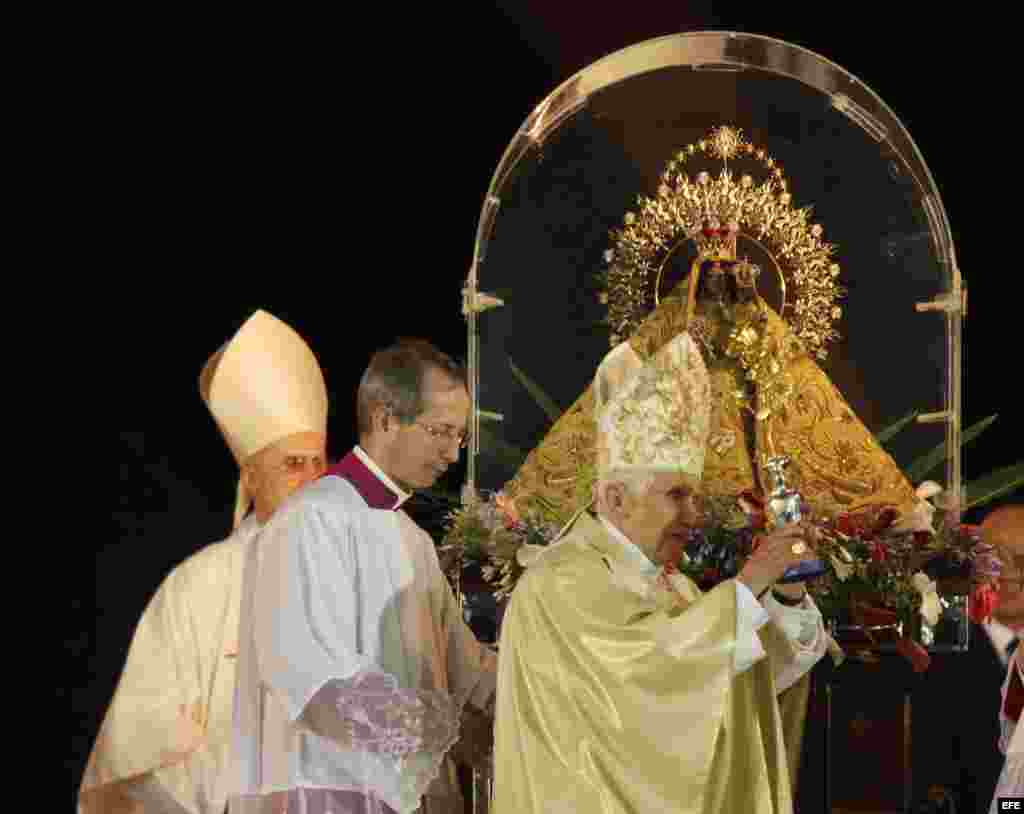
{"x":617,"y":693}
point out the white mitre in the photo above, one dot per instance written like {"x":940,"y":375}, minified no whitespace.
{"x":262,"y":386}
{"x":653,"y":416}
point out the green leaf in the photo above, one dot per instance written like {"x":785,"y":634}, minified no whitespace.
{"x":995,"y":484}
{"x":544,"y":401}
{"x":926,"y":463}
{"x":499,"y":448}
{"x":895,"y":428}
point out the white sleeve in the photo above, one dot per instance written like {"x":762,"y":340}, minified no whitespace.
{"x":750,"y":618}
{"x":299,"y":644}
{"x":804,"y":628}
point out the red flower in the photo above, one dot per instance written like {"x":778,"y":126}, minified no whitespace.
{"x":983,"y":602}
{"x":885,"y":519}
{"x":914,"y":653}
{"x":866,"y":524}
{"x":872,"y":615}
{"x":878,"y":552}
{"x":507,"y":507}
{"x":968,"y":530}
{"x":852,"y":525}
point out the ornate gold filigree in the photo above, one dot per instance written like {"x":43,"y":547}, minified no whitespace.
{"x":714,"y":212}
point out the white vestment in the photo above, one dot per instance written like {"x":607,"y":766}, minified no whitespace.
{"x":349,"y":629}
{"x":1011,"y":741}
{"x":164,"y":745}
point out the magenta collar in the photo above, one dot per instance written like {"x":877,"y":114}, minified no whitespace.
{"x":376,"y":493}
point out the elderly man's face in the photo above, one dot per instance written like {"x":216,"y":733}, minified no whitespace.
{"x":274,"y":472}
{"x":422,"y":451}
{"x":658,"y":519}
{"x":1004,"y":529}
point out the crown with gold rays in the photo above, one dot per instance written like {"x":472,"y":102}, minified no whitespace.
{"x":715,"y":212}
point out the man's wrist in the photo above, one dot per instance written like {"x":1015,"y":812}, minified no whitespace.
{"x":789,"y":595}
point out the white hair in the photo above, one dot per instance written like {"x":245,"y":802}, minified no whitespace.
{"x":636,"y":481}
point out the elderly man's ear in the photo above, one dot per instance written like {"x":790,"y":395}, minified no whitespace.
{"x":613,"y":496}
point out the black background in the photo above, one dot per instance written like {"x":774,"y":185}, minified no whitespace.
{"x":330,"y":168}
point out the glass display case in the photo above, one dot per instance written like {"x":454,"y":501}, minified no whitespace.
{"x":605,"y":196}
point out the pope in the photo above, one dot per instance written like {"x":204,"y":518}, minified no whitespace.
{"x":621,"y":687}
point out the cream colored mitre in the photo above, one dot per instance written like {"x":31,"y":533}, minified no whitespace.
{"x":653,"y":415}
{"x":262,"y":386}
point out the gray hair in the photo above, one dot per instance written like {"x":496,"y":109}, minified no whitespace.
{"x":394,"y":379}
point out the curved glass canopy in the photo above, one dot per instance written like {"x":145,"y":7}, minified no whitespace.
{"x":858,"y":259}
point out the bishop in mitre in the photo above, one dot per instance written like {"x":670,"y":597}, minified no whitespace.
{"x":621,"y":687}
{"x":164,"y":745}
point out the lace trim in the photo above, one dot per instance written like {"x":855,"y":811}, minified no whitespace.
{"x":416,"y":728}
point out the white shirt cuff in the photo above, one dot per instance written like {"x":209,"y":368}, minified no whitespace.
{"x":801,"y":623}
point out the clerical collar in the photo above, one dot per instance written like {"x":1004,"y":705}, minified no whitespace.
{"x":373,"y":485}
{"x":633,"y":552}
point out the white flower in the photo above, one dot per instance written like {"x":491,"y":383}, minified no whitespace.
{"x":921,"y":516}
{"x":931,"y":607}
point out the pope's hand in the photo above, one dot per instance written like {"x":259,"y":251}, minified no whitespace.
{"x":777,"y":551}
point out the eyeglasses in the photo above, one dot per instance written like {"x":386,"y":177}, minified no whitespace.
{"x":446,"y":435}
{"x":299,"y":463}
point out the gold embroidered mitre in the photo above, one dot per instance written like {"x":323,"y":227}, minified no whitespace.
{"x":262,"y":386}
{"x":653,"y":415}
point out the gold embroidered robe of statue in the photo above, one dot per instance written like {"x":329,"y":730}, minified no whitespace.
{"x":614,"y":698}
{"x":835,"y":462}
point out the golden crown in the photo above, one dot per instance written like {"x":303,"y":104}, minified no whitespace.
{"x":714,"y":212}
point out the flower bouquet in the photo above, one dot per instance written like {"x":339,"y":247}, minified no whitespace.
{"x":492,"y":532}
